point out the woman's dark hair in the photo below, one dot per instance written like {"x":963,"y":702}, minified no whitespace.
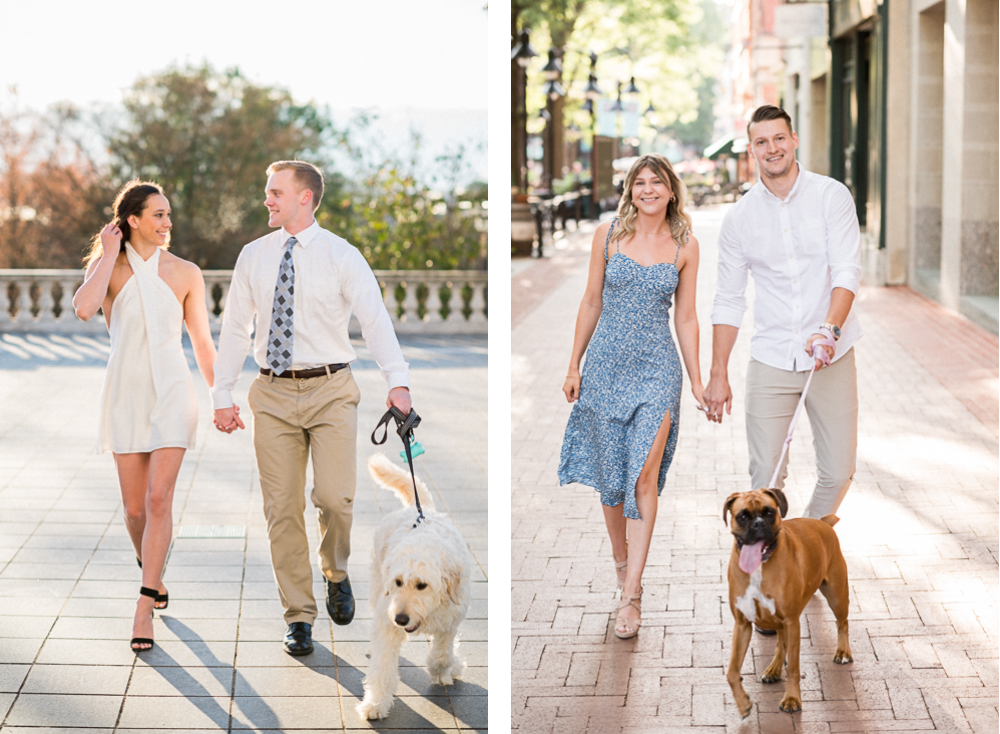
{"x":131,"y":200}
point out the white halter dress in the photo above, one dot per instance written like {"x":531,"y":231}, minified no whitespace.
{"x":148,"y":401}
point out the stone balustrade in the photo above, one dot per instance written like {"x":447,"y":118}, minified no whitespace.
{"x":419,"y":302}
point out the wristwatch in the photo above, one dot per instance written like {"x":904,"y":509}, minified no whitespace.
{"x":833,"y":328}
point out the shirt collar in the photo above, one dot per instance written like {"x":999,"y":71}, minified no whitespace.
{"x":803,"y":173}
{"x":304,"y":237}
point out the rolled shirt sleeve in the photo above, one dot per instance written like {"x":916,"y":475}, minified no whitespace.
{"x":731,"y":285}
{"x":361,"y":290}
{"x":843,"y":240}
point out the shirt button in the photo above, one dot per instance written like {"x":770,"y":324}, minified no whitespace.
{"x":795,"y":280}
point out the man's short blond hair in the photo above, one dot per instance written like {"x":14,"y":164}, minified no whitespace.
{"x":307,"y":175}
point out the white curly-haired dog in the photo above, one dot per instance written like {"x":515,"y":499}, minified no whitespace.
{"x":419,"y":584}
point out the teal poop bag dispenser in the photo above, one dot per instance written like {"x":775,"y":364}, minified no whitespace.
{"x":416,"y":448}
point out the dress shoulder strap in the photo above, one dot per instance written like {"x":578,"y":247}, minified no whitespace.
{"x":687,"y":237}
{"x":608,"y":239}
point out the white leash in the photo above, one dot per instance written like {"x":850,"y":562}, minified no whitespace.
{"x":824,"y":357}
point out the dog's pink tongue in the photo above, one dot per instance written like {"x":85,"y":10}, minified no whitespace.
{"x":750,"y":557}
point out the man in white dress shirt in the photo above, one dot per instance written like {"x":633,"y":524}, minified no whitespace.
{"x":797,"y":232}
{"x":300,"y":285}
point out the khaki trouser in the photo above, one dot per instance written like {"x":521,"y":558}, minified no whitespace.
{"x":291,"y":419}
{"x":832,"y":405}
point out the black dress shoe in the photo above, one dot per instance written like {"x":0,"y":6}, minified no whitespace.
{"x":298,"y":638}
{"x":766,"y":633}
{"x":340,"y":601}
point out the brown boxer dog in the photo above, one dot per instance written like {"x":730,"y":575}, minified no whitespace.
{"x":774,"y":569}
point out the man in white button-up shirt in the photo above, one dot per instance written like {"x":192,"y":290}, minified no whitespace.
{"x":304,"y":400}
{"x":797,"y":232}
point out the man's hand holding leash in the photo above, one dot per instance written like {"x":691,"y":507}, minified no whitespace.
{"x":822,"y":338}
{"x":399,"y":397}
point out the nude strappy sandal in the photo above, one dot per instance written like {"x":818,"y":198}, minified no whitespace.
{"x":629,"y":600}
{"x":620,"y":572}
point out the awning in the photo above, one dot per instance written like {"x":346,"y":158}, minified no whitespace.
{"x":719,"y":147}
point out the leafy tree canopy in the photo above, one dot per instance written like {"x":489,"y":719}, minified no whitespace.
{"x":208,"y":138}
{"x":674,"y":49}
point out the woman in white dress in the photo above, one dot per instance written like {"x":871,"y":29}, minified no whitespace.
{"x":149,"y":413}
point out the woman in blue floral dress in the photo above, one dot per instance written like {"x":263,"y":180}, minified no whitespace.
{"x":622,"y":432}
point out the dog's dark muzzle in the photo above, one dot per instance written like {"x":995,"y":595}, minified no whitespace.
{"x":756,"y":530}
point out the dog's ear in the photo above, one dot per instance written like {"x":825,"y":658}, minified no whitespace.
{"x":385,"y":575}
{"x":779,"y":497}
{"x":726,"y":508}
{"x":451,"y":577}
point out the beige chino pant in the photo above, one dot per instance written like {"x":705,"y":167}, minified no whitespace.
{"x":293,"y":420}
{"x":832,"y":406}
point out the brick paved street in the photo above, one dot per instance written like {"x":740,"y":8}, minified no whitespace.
{"x":918,"y":528}
{"x":68,"y":577}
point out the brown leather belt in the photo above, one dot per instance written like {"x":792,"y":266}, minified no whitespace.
{"x":306,"y":374}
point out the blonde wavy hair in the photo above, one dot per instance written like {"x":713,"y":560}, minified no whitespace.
{"x":680,"y":221}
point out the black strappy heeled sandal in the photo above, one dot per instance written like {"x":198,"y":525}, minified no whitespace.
{"x":160,"y":598}
{"x":153,"y":593}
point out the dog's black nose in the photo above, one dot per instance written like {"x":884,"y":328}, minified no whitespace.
{"x":759,"y":523}
{"x":402,"y":620}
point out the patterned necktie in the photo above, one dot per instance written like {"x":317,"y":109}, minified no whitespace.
{"x":279,"y":340}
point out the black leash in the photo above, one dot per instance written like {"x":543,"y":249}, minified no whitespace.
{"x":404,"y":427}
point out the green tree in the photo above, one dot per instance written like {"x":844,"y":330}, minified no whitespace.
{"x":672,"y":47}
{"x":208,"y":137}
{"x":400,"y":223}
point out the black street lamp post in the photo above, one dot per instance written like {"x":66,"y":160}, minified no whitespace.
{"x":592,"y":93}
{"x":521,"y":54}
{"x":554,"y":92}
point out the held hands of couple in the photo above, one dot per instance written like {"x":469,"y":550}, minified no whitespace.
{"x":228,"y":420}
{"x":717,"y":397}
{"x":699,"y":394}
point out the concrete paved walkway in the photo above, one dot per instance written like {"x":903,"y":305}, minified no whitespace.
{"x":68,"y":578}
{"x":918,"y":528}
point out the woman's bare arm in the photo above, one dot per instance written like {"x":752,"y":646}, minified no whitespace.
{"x":589,"y":313}
{"x":686,"y":316}
{"x":90,"y":296}
{"x":196,"y":319}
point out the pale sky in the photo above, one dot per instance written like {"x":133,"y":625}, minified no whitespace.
{"x":426,"y":54}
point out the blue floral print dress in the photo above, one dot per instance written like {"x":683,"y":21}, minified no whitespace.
{"x":630,"y":379}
